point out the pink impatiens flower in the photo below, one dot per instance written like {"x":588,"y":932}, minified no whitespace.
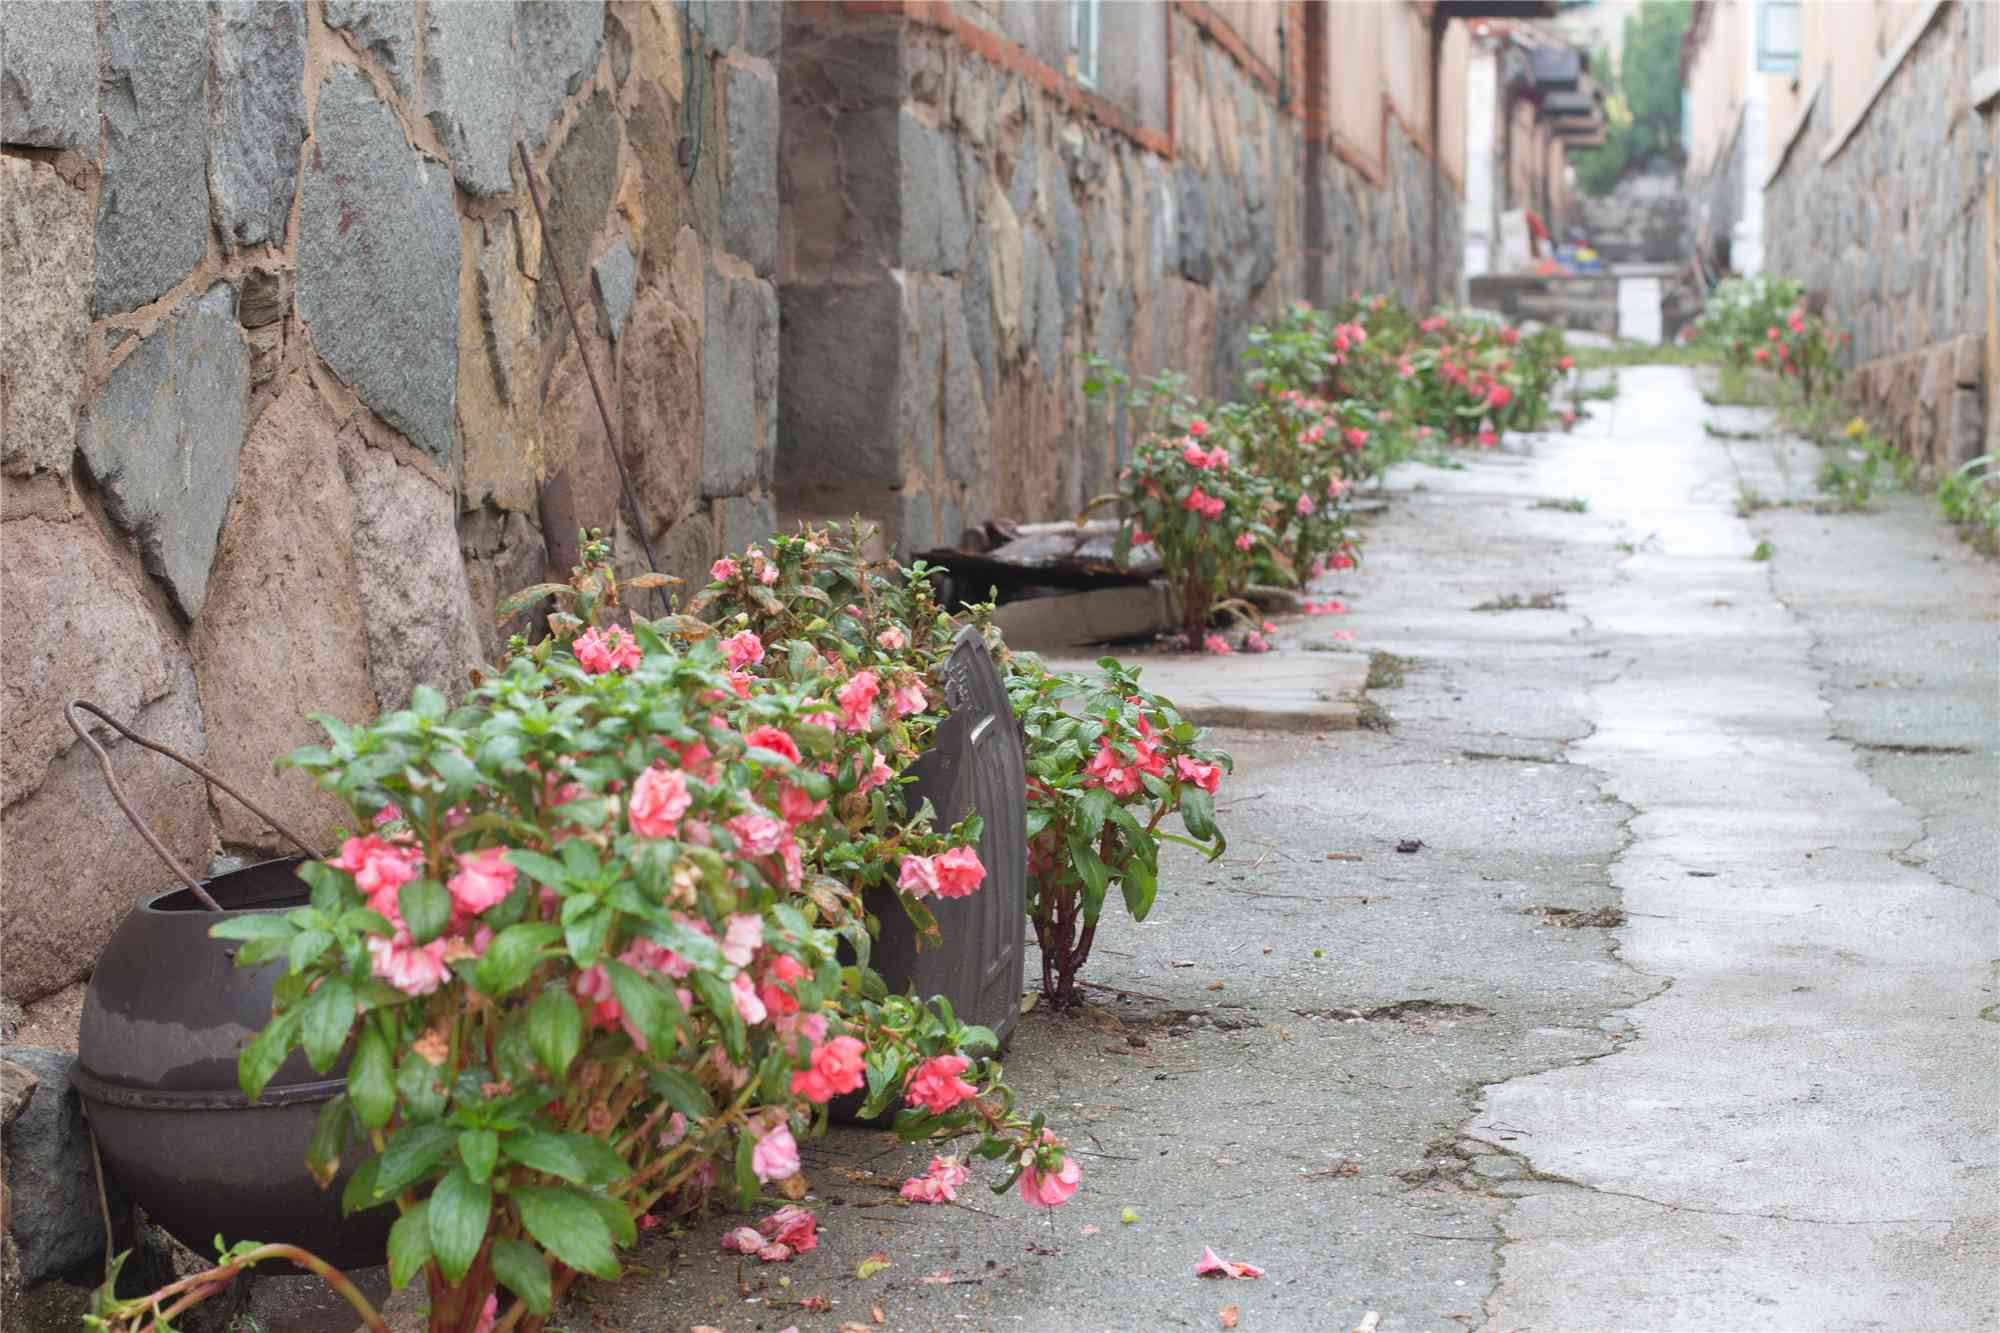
{"x":776,"y":1155}
{"x":414,"y":969}
{"x":796,"y":805}
{"x":1244,"y":541}
{"x":1112,"y":771}
{"x":837,"y":1066}
{"x":1487,"y":439}
{"x":722,"y":570}
{"x":1197,"y":428}
{"x":1305,"y":504}
{"x":749,"y":1005}
{"x":774,"y":739}
{"x":1499,"y":395}
{"x":1215,"y":643}
{"x":379,"y":868}
{"x":908,"y":699}
{"x":759,"y":835}
{"x":659,"y":799}
{"x":743,"y":936}
{"x":609,"y":650}
{"x":743,"y":649}
{"x":918,"y":876}
{"x":936,"y":1086}
{"x":959,"y":872}
{"x":1046,"y":1189}
{"x":484,"y":878}
{"x":938,"y":1184}
{"x":891,"y":639}
{"x":857,"y":701}
{"x":1208,"y":777}
{"x":1355,"y":437}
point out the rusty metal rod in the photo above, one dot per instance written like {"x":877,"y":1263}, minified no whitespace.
{"x":118,"y":793}
{"x":590,"y":372}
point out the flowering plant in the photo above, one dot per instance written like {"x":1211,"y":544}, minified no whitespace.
{"x":1739,"y":311}
{"x":1207,"y":516}
{"x":1107,"y":763}
{"x":586,"y":964}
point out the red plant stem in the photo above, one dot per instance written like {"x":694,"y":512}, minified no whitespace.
{"x":201,"y":1286}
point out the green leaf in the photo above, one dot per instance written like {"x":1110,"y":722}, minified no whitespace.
{"x":1140,"y":884}
{"x":266,"y":1051}
{"x":555,"y":1030}
{"x":410,"y":1155}
{"x":523,"y":1271}
{"x":1091,"y":812}
{"x":746,"y":1170}
{"x":721,"y":1005}
{"x":329,"y":1016}
{"x":359,"y":1192}
{"x":581,"y":1159}
{"x":329,"y":1140}
{"x":409,"y":1245}
{"x":584,"y":936}
{"x":654,"y":1012}
{"x":255,"y":926}
{"x":460,"y":774}
{"x":420,"y":1086}
{"x":683,"y":1094}
{"x":427,"y":703}
{"x":1096,"y":876}
{"x":511,"y":955}
{"x":478,"y":1149}
{"x":306,"y":948}
{"x":328,"y":885}
{"x":1198,"y":812}
{"x":566,"y":1224}
{"x":426,"y":909}
{"x":460,"y":1209}
{"x":542,"y":869}
{"x":616,"y":1216}
{"x":370,"y":1082}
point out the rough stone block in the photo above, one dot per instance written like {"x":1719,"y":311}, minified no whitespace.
{"x":152,"y":208}
{"x":498,"y":413}
{"x":378,"y":264}
{"x":1969,"y":358}
{"x":652,"y":127}
{"x":384,"y":29}
{"x":57,"y":1224}
{"x":1961,"y":441}
{"x":575,"y":447}
{"x":837,"y":441}
{"x":966,"y":444}
{"x":976,"y":312}
{"x":1191,"y":217}
{"x":750,"y":120}
{"x":257,"y":118}
{"x":164,"y":437}
{"x":738,"y":361}
{"x":75,"y":866}
{"x":503,"y":554}
{"x":935,"y":231}
{"x":469,"y":90}
{"x":410,"y":577}
{"x":281,"y":636}
{"x":45,"y":248}
{"x":1013,"y":299}
{"x":745,"y":519}
{"x":582,"y":180}
{"x":48,"y":97}
{"x":1066,"y":237}
{"x":555,"y":50}
{"x":614,"y":274}
{"x":660,"y":402}
{"x":1051,"y":311}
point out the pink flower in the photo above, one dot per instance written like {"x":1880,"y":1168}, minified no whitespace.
{"x":1566,"y":363}
{"x":483,"y":879}
{"x":1355,"y":437}
{"x":1208,"y":777}
{"x":742,"y":937}
{"x":487,"y":1313}
{"x":1046,"y":1189}
{"x":1796,"y":321}
{"x":676,"y":1130}
{"x":1332,"y":606}
{"x":379,"y":867}
{"x":1341,"y":635}
{"x":793,"y":1227}
{"x":1253,"y":642}
{"x":1211,"y":1266}
{"x":1244,"y":541}
{"x":611,"y":650}
{"x":1305,"y":505}
{"x":1499,"y":395}
{"x":743,"y":649}
{"x":776,"y":1155}
{"x":1212,"y":507}
{"x":776,"y":740}
{"x":1196,"y":501}
{"x":918,"y":876}
{"x":1216,"y":644}
{"x":1336,"y":487}
{"x":758,"y":834}
{"x":749,"y":1005}
{"x":909,"y":699}
{"x":857,"y":701}
{"x":1772,"y":333}
{"x":1762,"y":354}
{"x":414,"y":969}
{"x":1197,"y":428}
{"x":722,"y":570}
{"x":877,"y":775}
{"x":659,"y":799}
{"x":1487,"y":439}
{"x":796,"y":805}
{"x":779,"y":979}
{"x":959,"y":872}
{"x":1194,"y":455}
{"x":1218,"y":457}
{"x":1110,"y":770}
{"x":1141,"y":537}
{"x":938,"y":1184}
{"x":388,"y":814}
{"x":1404,"y":369}
{"x":647,"y":956}
{"x":936,"y":1086}
{"x":743,"y":1240}
{"x":891,"y":640}
{"x":838,"y":1066}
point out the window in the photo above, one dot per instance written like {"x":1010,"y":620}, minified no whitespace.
{"x":1778,"y":36}
{"x":1083,"y":42}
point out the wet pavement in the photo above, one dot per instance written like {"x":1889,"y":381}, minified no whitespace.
{"x":1682,"y":1016}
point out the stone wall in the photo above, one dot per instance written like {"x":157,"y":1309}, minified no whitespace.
{"x":1892,"y":232}
{"x":1642,"y":220}
{"x":958,"y":234}
{"x":287,"y":391}
{"x":1714,"y":196}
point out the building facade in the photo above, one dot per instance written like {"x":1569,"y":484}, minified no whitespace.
{"x":1857,"y":148}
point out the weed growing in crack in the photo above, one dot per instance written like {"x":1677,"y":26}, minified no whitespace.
{"x":1764,"y":551}
{"x":1575,"y":504}
{"x":1513,"y":601}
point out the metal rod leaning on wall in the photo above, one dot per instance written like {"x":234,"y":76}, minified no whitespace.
{"x":590,"y":372}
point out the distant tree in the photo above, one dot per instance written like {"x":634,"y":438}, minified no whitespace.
{"x":1644,"y":102}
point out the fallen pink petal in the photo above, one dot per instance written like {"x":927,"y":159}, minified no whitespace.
{"x":1209,"y":1265}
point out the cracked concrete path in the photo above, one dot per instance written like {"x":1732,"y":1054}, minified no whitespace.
{"x":1800,"y":1133}
{"x":1674,"y":1021}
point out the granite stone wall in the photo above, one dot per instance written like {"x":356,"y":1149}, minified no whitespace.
{"x":1714,"y":198}
{"x":1892,"y":234}
{"x":956,"y":238}
{"x":287,"y":393}
{"x":1643,"y":219}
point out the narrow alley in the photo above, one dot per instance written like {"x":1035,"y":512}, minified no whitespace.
{"x":1679,"y":1017}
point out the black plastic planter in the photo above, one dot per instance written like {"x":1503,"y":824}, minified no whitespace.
{"x":164,"y":1016}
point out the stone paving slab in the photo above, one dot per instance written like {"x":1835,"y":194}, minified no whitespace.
{"x":1288,"y":690}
